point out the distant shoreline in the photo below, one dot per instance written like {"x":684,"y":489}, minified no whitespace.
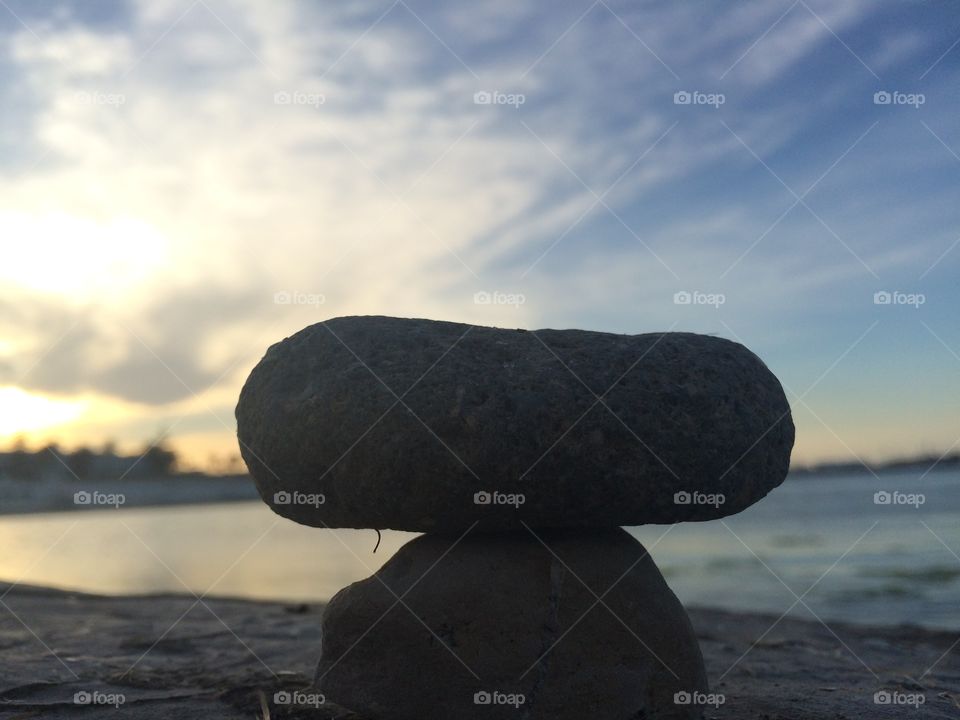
{"x":923,"y":465}
{"x":21,"y":497}
{"x":36,"y":496}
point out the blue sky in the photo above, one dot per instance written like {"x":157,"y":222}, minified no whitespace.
{"x":167,"y":168}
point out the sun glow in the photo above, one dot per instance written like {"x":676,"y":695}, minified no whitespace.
{"x":70,"y":255}
{"x":23,"y":412}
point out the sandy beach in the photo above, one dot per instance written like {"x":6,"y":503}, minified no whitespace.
{"x":177,"y":656}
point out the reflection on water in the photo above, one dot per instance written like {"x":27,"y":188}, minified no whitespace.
{"x":864,"y":562}
{"x":239,"y":549}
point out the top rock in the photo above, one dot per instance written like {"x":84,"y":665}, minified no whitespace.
{"x":433,"y":426}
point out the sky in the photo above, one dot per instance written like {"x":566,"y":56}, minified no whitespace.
{"x":184,"y":183}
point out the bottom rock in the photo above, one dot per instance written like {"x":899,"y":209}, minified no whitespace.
{"x":547,"y":625}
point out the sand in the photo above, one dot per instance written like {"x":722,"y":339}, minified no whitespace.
{"x":177,"y":656}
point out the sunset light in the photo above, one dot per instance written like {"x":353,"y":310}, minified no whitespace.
{"x":23,"y":412}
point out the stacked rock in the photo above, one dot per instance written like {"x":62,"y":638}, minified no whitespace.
{"x":519,"y":454}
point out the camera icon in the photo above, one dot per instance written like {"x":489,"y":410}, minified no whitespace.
{"x":82,"y":698}
{"x":282,"y":498}
{"x":882,"y":297}
{"x":682,"y":298}
{"x":82,"y":498}
{"x":682,"y":498}
{"x":481,"y":298}
{"x":282,"y":298}
{"x":882,"y":97}
{"x":282,"y":98}
{"x":882,"y":697}
{"x":882,"y":497}
{"x":482,"y":98}
{"x":282,"y":697}
{"x":682,"y":97}
{"x":482,"y":498}
{"x":682,"y":698}
{"x":482,"y":698}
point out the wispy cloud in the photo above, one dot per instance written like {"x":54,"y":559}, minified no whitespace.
{"x":169,"y":167}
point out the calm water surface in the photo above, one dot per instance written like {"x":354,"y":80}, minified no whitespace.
{"x":824,"y":540}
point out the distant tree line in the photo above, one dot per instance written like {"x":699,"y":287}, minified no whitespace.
{"x":156,"y":460}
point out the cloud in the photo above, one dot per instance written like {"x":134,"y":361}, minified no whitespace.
{"x":163,"y":173}
{"x":160,"y":357}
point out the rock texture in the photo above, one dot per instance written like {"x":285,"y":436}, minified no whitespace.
{"x":509,"y":626}
{"x":396,"y":423}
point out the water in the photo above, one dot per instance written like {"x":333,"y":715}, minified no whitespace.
{"x":881,"y":564}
